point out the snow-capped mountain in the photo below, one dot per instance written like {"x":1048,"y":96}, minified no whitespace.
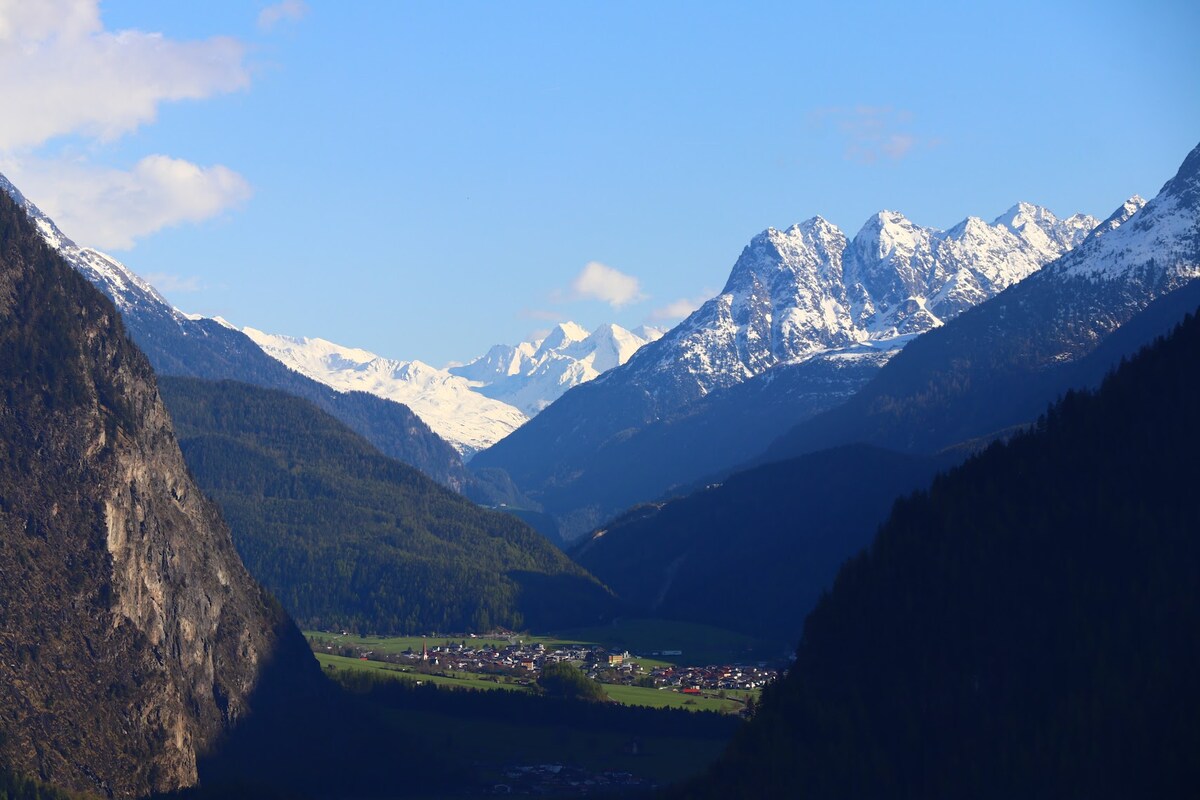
{"x":807,"y":316}
{"x":532,"y":375}
{"x":998,"y":365}
{"x":447,"y":403}
{"x":475,"y":405}
{"x":183,"y":344}
{"x":809,"y":289}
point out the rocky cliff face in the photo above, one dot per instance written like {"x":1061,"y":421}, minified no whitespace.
{"x":130,"y":633}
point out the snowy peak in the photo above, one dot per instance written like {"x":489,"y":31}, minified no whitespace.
{"x":773,"y":257}
{"x":1156,"y":245}
{"x":889,"y":233}
{"x":1185,"y":186}
{"x":648,"y":333}
{"x":604,"y":348}
{"x":562,"y":335}
{"x":447,"y":403}
{"x":1023,"y":214}
{"x":532,"y":375}
{"x":1120,"y":216}
{"x":500,"y":361}
{"x":890,"y":260}
{"x":1041,"y":230}
{"x":807,"y":289}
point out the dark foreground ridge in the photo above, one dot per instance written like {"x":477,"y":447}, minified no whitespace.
{"x":1025,"y":628}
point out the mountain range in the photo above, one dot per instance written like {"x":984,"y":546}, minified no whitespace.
{"x":806,"y":318}
{"x":532,"y":375}
{"x":472,"y":406}
{"x":1002,"y":362}
{"x":759,"y":546}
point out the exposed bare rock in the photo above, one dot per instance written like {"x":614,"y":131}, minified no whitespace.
{"x":130,"y":633}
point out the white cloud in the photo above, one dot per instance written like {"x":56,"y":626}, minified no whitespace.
{"x":62,"y":73}
{"x":679,"y":308}
{"x":873,"y":133}
{"x":110,"y":208}
{"x":601,"y":282}
{"x":288,"y":10}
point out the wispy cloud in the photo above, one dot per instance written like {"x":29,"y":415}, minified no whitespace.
{"x":873,"y":133}
{"x":678,"y":309}
{"x":286,"y":11}
{"x":598,"y":281}
{"x":112,"y":208}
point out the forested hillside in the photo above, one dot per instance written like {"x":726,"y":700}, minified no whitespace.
{"x":754,"y":553}
{"x":348,"y":538}
{"x":1027,"y":628}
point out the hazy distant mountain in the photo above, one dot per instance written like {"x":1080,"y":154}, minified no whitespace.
{"x":447,"y":403}
{"x":532,"y":375}
{"x":178,"y":344}
{"x":809,"y":302}
{"x":477,"y":404}
{"x":999,"y":364}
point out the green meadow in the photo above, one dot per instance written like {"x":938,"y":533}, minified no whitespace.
{"x":732,"y":703}
{"x":698,"y":644}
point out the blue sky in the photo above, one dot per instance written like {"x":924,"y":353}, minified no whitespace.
{"x":425,"y":180}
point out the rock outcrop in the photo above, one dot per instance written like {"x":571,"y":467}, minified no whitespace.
{"x":131,"y":636}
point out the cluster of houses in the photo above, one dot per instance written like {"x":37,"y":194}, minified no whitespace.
{"x":514,"y":657}
{"x":693,"y":680}
{"x":519,"y":658}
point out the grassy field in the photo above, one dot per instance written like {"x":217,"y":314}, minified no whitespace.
{"x":626,"y":695}
{"x":461,"y":680}
{"x":665,"y":698}
{"x":699,"y":644}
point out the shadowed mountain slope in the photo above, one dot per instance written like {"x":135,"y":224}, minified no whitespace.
{"x":348,"y":538}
